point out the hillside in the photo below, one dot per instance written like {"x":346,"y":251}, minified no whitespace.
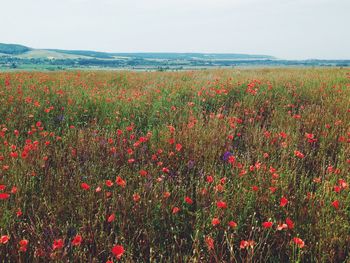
{"x":13,"y":49}
{"x":13,"y":56}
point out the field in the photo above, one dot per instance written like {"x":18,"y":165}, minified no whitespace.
{"x":196,"y":166}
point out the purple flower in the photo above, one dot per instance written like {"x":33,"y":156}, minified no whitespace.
{"x":226,"y":155}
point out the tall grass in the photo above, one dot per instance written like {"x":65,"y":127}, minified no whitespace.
{"x":198,"y":162}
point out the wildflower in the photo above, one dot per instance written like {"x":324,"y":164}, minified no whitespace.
{"x":178,"y":147}
{"x":109,"y":183}
{"x":221,"y":204}
{"x":267,"y":224}
{"x":111,"y":218}
{"x":4,"y":239}
{"x":299,"y":154}
{"x":118,"y":251}
{"x":215,"y":221}
{"x":289,"y":223}
{"x":120,"y":182}
{"x":210,"y":242}
{"x":136,"y":197}
{"x":77,"y":240}
{"x":210,"y":179}
{"x":232,"y":224}
{"x":85,"y":186}
{"x":282,"y":226}
{"x":283,"y":202}
{"x":57,"y":244}
{"x":23,"y":245}
{"x":188,"y":200}
{"x":4,"y":196}
{"x":175,"y":210}
{"x":335,"y":204}
{"x":299,"y":242}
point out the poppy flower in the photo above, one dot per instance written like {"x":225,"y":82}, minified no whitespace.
{"x":335,"y":204}
{"x":289,"y":223}
{"x":77,"y":240}
{"x":111,"y":218}
{"x":120,"y":182}
{"x":109,"y":183}
{"x":299,"y":242}
{"x":215,"y":221}
{"x":221,"y":204}
{"x":175,"y":210}
{"x":267,"y":224}
{"x":4,"y":196}
{"x":232,"y":224}
{"x":246,"y":243}
{"x":4,"y":239}
{"x":210,"y":179}
{"x":23,"y":245}
{"x":299,"y":154}
{"x":136,"y":197}
{"x":118,"y":251}
{"x":166,"y":194}
{"x":255,"y":188}
{"x":85,"y":186}
{"x":283,"y":202}
{"x":178,"y":147}
{"x":188,"y":200}
{"x":57,"y":244}
{"x":143,"y":172}
{"x":210,"y":243}
{"x":282,"y":226}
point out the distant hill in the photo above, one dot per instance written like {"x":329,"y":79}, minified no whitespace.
{"x":13,"y":49}
{"x":27,"y":52}
{"x":20,"y":57}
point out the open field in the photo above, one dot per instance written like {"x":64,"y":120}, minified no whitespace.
{"x":192,"y":166}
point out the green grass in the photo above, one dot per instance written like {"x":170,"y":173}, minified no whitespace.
{"x":72,"y":127}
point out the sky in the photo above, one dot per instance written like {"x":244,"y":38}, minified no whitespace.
{"x":286,"y":29}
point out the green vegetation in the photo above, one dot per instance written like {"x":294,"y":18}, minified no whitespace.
{"x":13,"y":49}
{"x":192,"y":166}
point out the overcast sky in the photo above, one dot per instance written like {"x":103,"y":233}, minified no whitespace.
{"x":291,"y":29}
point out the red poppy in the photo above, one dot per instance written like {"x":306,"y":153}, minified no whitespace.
{"x":299,"y":242}
{"x":282,"y":226}
{"x":57,"y":244}
{"x":210,"y":179}
{"x":111,"y":218}
{"x":4,"y":196}
{"x":4,"y":239}
{"x":85,"y":186}
{"x":143,"y":173}
{"x":267,"y":224}
{"x":178,"y":147}
{"x":77,"y":240}
{"x":120,"y":182}
{"x":221,"y":204}
{"x":335,"y":204}
{"x":283,"y":202}
{"x":210,"y":243}
{"x":232,"y":224}
{"x":118,"y":251}
{"x":23,"y":245}
{"x":136,"y":197}
{"x":215,"y":221}
{"x":255,"y":188}
{"x":299,"y":154}
{"x":175,"y":210}
{"x":109,"y":183}
{"x":188,"y":200}
{"x":289,"y":223}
